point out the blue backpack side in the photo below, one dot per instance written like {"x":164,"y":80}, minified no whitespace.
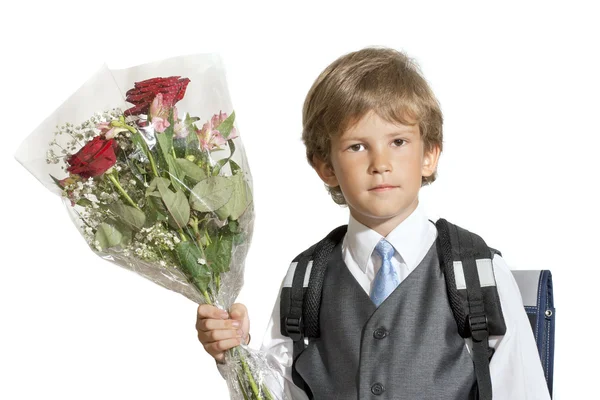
{"x":538,"y":300}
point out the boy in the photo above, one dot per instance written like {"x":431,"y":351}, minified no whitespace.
{"x":373,"y":133}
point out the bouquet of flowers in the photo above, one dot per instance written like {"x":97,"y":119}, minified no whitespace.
{"x":156,"y":190}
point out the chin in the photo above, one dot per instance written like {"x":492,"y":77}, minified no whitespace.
{"x":385,"y":214}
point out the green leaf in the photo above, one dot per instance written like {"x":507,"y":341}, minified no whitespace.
{"x":179,"y":144}
{"x":234,"y":167}
{"x":211,"y":193}
{"x":226,"y":126}
{"x":176,"y":174}
{"x":125,"y":230}
{"x":83,"y":202}
{"x":171,"y":128}
{"x":224,"y":161}
{"x":141,"y":144}
{"x":164,"y":143}
{"x":56,"y":181}
{"x":239,"y":201}
{"x":139,"y":141}
{"x":153,"y":187}
{"x":218,"y":165}
{"x":198,"y":274}
{"x":193,"y":146}
{"x":190,"y":120}
{"x":231,"y":147}
{"x":191,"y":170}
{"x":233,"y":226}
{"x":155,"y":209}
{"x":130,"y":216}
{"x":192,"y":143}
{"x":219,"y":253}
{"x":108,"y":236}
{"x":137,"y":171}
{"x":176,"y":203}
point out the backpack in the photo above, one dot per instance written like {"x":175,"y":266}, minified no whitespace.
{"x":466,"y":262}
{"x":538,"y":300}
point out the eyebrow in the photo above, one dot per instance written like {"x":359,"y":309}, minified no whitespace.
{"x":390,"y":134}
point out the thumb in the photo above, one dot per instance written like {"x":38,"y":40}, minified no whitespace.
{"x":239,"y":312}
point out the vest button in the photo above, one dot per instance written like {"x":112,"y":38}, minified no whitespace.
{"x":379,"y":333}
{"x":377,"y":389}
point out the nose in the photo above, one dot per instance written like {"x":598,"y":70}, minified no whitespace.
{"x":380,"y":162}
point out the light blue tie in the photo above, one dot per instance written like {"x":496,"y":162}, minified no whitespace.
{"x":387,"y":278}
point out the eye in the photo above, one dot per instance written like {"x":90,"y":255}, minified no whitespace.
{"x":355,"y":147}
{"x":399,"y":142}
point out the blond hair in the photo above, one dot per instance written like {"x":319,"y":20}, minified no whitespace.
{"x":376,"y":79}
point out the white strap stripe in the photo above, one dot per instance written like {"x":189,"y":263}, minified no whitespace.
{"x":289,"y":277}
{"x":484,"y":268}
{"x":307,"y":273}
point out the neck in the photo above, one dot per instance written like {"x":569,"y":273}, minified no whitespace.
{"x":384,"y":225}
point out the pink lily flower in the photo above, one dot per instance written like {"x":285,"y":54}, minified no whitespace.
{"x":220,"y":117}
{"x":179,"y":129}
{"x":109,"y":131}
{"x":159,"y":114}
{"x":209,"y":138}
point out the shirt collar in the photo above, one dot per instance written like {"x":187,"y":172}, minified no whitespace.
{"x":406,"y":239}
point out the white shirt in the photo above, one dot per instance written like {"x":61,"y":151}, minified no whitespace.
{"x":515,"y":368}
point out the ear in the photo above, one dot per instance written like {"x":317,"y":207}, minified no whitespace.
{"x":325,"y":172}
{"x":430,"y":161}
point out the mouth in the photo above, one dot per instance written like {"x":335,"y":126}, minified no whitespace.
{"x":382,"y":188}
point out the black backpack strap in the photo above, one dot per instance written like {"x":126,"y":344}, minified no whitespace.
{"x":291,"y":300}
{"x":476,"y":308}
{"x":312,"y":300}
{"x":300,"y":297}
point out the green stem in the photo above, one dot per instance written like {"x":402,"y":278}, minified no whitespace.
{"x":207,"y":236}
{"x":142,"y":142}
{"x":207,"y":297}
{"x":249,"y":376}
{"x":268,"y":394}
{"x":152,"y":163}
{"x":242,"y":388}
{"x":194,"y":224}
{"x":183,"y":238}
{"x":123,"y":192}
{"x":206,"y":164}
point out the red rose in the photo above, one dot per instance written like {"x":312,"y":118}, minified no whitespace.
{"x":94,"y":158}
{"x":172,"y":89}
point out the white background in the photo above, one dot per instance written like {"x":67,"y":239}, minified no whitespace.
{"x":519,"y":87}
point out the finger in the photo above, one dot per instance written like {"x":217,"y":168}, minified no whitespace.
{"x":216,"y":336}
{"x":238,"y":311}
{"x":216,"y":348}
{"x":208,"y":311}
{"x":206,"y":325}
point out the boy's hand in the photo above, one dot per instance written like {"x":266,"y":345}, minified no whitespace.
{"x":218,"y":333}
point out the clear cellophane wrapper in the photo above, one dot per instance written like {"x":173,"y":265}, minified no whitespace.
{"x":152,"y":170}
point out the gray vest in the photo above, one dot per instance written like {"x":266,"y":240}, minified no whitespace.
{"x":408,"y":348}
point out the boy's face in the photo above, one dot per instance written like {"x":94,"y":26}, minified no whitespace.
{"x":378,"y":166}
